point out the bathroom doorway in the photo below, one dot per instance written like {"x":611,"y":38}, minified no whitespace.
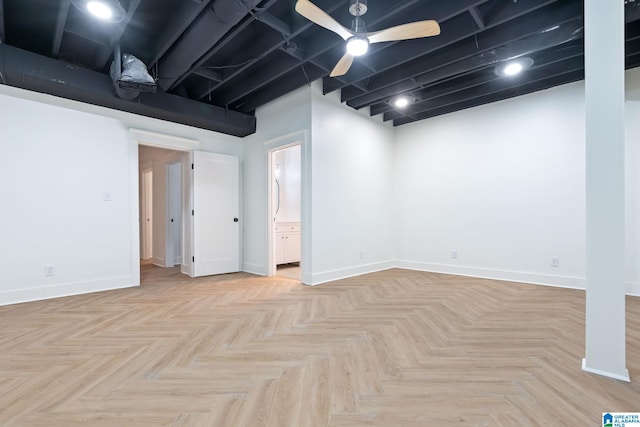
{"x":286,"y":191}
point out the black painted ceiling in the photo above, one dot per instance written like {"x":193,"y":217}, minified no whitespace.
{"x":241,"y":54}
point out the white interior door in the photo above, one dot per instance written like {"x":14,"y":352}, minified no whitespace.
{"x":216,"y":227}
{"x":174,"y":215}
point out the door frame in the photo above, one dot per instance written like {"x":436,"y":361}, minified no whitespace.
{"x":174,"y":169}
{"x":152,"y":139}
{"x":146,"y":210}
{"x":269,"y":147}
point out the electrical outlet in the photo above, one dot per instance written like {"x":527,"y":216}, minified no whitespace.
{"x":49,"y":270}
{"x":454,"y":254}
{"x":555,"y":261}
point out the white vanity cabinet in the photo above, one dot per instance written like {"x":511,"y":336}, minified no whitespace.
{"x":287,"y":242}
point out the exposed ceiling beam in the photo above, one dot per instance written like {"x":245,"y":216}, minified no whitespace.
{"x":2,"y":32}
{"x":453,"y":30}
{"x":274,"y":23}
{"x":61,"y":22}
{"x":239,"y":70}
{"x":374,"y":17}
{"x":39,"y":73}
{"x":181,"y":18}
{"x":221,"y":43}
{"x":445,"y":15}
{"x":487,"y":40}
{"x":293,"y":80}
{"x":509,"y":92}
{"x":459,"y":82}
{"x":208,"y":74}
{"x":470,"y":89}
{"x":477,"y":17}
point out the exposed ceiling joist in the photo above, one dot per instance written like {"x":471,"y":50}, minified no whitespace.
{"x":41,"y":74}
{"x":233,"y":66}
{"x":219,"y":45}
{"x":2,"y":31}
{"x":61,"y":22}
{"x":454,"y":30}
{"x":330,"y":41}
{"x":448,"y":62}
{"x":507,"y":92}
{"x":180,"y":20}
{"x":477,"y":16}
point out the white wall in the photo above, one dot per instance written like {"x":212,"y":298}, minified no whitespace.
{"x":60,"y":158}
{"x":348,"y":158}
{"x":504,"y":185}
{"x":58,"y":163}
{"x":352,"y":196}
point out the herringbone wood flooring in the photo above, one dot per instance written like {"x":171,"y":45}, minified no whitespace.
{"x":395,"y":348}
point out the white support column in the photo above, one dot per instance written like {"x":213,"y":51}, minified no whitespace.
{"x":605,"y":308}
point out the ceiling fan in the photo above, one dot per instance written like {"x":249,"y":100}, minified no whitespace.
{"x":358,"y":39}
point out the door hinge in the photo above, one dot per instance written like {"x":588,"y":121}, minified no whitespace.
{"x":192,"y":212}
{"x":193,"y":259}
{"x":191,"y":166}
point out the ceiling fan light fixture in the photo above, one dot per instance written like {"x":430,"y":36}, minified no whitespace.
{"x":357,"y":46}
{"x":513,"y":68}
{"x":104,"y":10}
{"x":100,"y":10}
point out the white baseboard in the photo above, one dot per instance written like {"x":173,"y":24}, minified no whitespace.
{"x":185,"y":269}
{"x":158,"y":261}
{"x":329,"y":276}
{"x":257,"y":269}
{"x":177,"y":260}
{"x":621,"y":377}
{"x":486,"y":273}
{"x":67,"y":289}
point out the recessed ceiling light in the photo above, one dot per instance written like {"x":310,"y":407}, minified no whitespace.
{"x":514,"y":67}
{"x":403,"y":101}
{"x":357,"y":46}
{"x":105,"y":10}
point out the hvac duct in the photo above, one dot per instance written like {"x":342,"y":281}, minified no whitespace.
{"x":38,"y":73}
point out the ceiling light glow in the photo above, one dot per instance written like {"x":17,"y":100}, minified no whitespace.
{"x":100,"y":10}
{"x":357,"y":46}
{"x":513,"y":69}
{"x":104,"y":10}
{"x":401,"y":102}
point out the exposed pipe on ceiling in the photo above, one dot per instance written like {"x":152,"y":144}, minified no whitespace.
{"x":209,"y":28}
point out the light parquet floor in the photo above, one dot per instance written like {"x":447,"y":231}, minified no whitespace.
{"x":395,"y":348}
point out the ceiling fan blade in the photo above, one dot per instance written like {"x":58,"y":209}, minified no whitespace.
{"x":315,"y":14}
{"x":413,"y":30}
{"x":342,"y":66}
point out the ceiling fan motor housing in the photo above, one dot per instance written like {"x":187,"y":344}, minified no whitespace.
{"x":358,"y":7}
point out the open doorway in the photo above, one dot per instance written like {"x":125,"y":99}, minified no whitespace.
{"x":285,"y":167}
{"x":161,"y":206}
